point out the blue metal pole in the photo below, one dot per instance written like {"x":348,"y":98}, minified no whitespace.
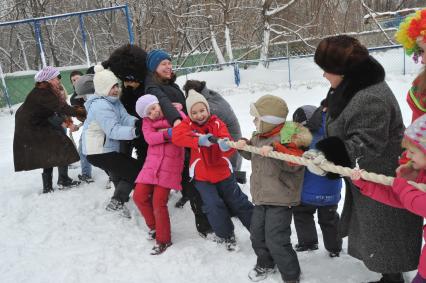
{"x":129,"y":24}
{"x":403,"y":60}
{"x":289,"y":67}
{"x":40,"y":45}
{"x":83,"y":37}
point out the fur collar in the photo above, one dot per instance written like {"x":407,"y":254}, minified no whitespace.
{"x":364,"y":75}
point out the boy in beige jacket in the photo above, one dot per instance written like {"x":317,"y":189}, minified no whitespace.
{"x":275,"y":187}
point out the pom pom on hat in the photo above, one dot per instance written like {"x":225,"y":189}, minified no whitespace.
{"x":143,"y":104}
{"x":155,"y":57}
{"x":46,"y":74}
{"x":416,"y":133}
{"x":104,"y":80}
{"x":194,"y":98}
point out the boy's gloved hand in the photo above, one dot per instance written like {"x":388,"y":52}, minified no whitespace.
{"x":203,"y":140}
{"x":169,"y":132}
{"x":317,"y":158}
{"x":223,"y":145}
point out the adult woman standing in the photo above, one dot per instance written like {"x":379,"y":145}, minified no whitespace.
{"x":364,"y":124}
{"x":160,"y":82}
{"x":37,"y":143}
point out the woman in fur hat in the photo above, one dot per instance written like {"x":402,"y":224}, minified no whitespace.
{"x":364,"y":123}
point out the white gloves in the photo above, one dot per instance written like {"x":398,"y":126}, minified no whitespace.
{"x":317,"y":158}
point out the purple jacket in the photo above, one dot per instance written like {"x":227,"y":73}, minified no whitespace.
{"x":164,"y":162}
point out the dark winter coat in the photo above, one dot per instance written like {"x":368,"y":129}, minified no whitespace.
{"x":364,"y":121}
{"x":36,"y":143}
{"x":76,"y":101}
{"x":128,"y":99}
{"x":221,"y":108}
{"x":166,"y":92}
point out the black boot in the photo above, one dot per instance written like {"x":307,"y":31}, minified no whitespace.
{"x":65,"y":182}
{"x":390,"y":278}
{"x":47,"y":183}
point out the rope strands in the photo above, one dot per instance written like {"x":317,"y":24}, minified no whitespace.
{"x":327,"y":166}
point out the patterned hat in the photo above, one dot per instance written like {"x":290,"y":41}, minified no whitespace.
{"x":416,"y":133}
{"x":46,"y":74}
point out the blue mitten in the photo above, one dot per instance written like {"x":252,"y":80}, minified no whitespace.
{"x":169,"y":132}
{"x":223,"y":145}
{"x":203,"y":140}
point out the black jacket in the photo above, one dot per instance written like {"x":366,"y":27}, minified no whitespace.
{"x":166,"y":92}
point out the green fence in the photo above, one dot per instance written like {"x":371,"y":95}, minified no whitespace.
{"x":19,"y":86}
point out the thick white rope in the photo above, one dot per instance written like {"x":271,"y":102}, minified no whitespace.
{"x":327,"y":166}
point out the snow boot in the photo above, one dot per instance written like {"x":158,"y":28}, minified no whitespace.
{"x":65,"y":182}
{"x":160,"y":248}
{"x":181,"y":202}
{"x":260,"y":273}
{"x":47,"y":183}
{"x":303,"y":247}
{"x":116,"y":205}
{"x":85,"y":178}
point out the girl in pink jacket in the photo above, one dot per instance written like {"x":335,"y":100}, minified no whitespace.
{"x":402,"y":193}
{"x":161,"y":172}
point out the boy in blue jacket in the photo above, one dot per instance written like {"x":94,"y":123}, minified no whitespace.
{"x":319,"y":193}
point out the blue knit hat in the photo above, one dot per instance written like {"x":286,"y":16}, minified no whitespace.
{"x":155,"y":57}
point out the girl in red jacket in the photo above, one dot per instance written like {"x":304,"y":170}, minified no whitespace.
{"x":402,"y":193}
{"x":211,"y":169}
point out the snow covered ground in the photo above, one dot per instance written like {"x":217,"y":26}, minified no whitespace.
{"x":68,"y":236}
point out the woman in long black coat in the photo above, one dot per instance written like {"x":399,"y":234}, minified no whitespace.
{"x":364,"y":123}
{"x":37,"y":143}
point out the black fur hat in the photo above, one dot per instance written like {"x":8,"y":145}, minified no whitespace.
{"x":128,"y":62}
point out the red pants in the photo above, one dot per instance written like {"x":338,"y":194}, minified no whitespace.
{"x":151,"y":201}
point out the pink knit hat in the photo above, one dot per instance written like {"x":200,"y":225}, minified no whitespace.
{"x":143,"y":104}
{"x":46,"y":74}
{"x":416,"y":133}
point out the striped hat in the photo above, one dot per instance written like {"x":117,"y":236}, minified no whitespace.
{"x":416,"y":133}
{"x":46,"y":74}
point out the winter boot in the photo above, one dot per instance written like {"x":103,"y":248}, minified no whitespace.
{"x":334,"y":254}
{"x":181,"y":202}
{"x":160,"y":248}
{"x":231,"y":244}
{"x":303,"y":247}
{"x":116,"y":205}
{"x":260,"y":273}
{"x":390,"y":278}
{"x":85,"y":178}
{"x":65,"y":182}
{"x":47,"y":183}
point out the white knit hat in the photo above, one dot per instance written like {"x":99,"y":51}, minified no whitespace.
{"x":194,"y":98}
{"x":103,"y":80}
